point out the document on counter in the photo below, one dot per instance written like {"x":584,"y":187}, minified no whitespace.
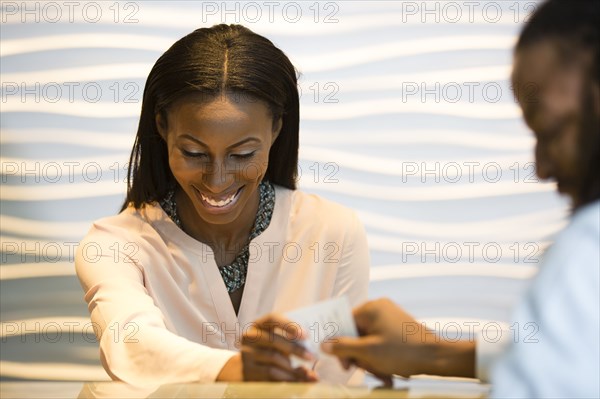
{"x":323,"y":321}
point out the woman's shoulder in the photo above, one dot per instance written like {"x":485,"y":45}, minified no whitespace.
{"x":129,"y":223}
{"x":314,"y":207}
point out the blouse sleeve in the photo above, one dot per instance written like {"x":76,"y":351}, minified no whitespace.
{"x":352,"y":279}
{"x":135,"y":345}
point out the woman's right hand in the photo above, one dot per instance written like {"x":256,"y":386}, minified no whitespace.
{"x":266,"y":350}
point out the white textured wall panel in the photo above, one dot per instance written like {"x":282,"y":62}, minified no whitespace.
{"x":407,"y":117}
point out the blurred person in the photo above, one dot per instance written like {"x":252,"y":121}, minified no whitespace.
{"x":557,"y":84}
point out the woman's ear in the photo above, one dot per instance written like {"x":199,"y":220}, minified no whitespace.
{"x":161,"y":124}
{"x":276,"y":129}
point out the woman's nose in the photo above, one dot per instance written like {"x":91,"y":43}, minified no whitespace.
{"x":217,"y":177}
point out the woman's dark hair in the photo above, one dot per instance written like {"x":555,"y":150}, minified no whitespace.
{"x":574,"y":26}
{"x":210,"y":62}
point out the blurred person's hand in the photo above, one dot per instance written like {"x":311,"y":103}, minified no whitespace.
{"x":392,"y":342}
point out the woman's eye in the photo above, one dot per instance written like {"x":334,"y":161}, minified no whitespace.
{"x":191,"y":154}
{"x":243,"y":156}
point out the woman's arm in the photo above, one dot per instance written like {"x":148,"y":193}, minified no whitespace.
{"x":352,"y":279}
{"x":135,"y":344}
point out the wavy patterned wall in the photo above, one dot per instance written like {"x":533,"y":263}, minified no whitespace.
{"x":407,"y":117}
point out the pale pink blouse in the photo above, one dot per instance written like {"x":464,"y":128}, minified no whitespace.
{"x":162,"y":311}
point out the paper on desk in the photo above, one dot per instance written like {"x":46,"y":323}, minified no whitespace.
{"x":323,"y":321}
{"x":428,"y":386}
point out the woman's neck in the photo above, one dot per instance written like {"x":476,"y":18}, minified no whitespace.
{"x":229,"y":238}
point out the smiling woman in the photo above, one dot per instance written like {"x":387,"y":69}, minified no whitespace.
{"x":213,"y":233}
{"x":219,"y":153}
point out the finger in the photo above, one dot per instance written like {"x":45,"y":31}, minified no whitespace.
{"x":311,"y":376}
{"x":277,"y":374}
{"x":263,"y":372}
{"x":275,"y":324}
{"x":387,"y":380}
{"x":267,"y":357}
{"x":365,"y":314}
{"x":347,"y":362}
{"x":351,"y":348}
{"x":368,"y":315}
{"x":306,"y":375}
{"x":267,"y":339}
{"x":274,"y":321}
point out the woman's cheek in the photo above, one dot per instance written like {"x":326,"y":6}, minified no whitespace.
{"x":183,"y":169}
{"x":254,"y":170}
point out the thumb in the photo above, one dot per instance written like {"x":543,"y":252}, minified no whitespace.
{"x":348,"y":347}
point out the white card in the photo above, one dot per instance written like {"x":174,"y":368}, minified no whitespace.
{"x":323,"y":321}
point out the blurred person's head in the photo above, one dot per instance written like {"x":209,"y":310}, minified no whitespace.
{"x":556,"y":81}
{"x":216,"y":86}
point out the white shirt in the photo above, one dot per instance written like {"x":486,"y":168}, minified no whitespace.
{"x":557,"y":353}
{"x":161,"y":307}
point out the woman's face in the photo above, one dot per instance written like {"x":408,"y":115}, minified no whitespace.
{"x":549,"y":94}
{"x":219,"y":153}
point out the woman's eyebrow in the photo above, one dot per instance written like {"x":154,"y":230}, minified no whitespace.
{"x":246,"y":140}
{"x":239,"y":143}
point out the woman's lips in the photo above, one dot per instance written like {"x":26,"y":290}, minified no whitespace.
{"x":219,"y":203}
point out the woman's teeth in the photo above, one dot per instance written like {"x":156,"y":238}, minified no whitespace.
{"x":220,"y":203}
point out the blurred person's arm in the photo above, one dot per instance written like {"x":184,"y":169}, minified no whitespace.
{"x":393,"y":342}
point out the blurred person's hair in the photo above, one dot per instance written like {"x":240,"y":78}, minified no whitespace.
{"x":574,"y":28}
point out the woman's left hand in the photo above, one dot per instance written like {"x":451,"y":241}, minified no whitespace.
{"x":266,"y":350}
